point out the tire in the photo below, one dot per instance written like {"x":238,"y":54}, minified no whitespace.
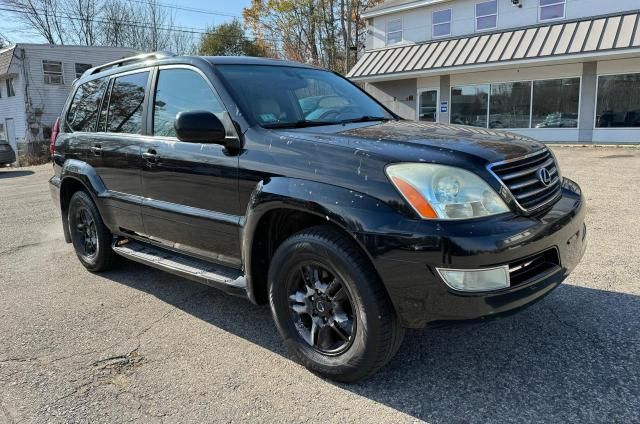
{"x":321,"y":257}
{"x":91,"y":238}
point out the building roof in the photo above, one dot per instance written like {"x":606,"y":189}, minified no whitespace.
{"x":5,"y":59}
{"x":593,"y":35}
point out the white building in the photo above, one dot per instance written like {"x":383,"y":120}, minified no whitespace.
{"x":35,"y":80}
{"x":556,"y":70}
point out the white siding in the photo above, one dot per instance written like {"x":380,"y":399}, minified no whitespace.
{"x":417,"y":21}
{"x":13,"y":107}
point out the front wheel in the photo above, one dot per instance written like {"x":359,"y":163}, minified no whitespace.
{"x":91,"y":238}
{"x":330,"y":307}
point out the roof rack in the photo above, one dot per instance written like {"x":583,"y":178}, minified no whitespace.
{"x":130,"y":60}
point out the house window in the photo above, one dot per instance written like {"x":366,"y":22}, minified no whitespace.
{"x":618,"y":101}
{"x":442,"y":23}
{"x":394,"y":31}
{"x":486,"y":15}
{"x":10,"y":90}
{"x":52,"y":72}
{"x":551,"y":9}
{"x":81,"y":68}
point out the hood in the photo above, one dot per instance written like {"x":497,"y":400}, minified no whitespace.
{"x":489,"y":145}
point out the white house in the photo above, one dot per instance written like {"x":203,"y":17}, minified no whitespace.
{"x":557,"y":70}
{"x":35,"y":80}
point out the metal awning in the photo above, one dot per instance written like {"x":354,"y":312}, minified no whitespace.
{"x":592,"y":35}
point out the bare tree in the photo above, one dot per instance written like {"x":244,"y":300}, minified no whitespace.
{"x":44,"y":16}
{"x":83,"y":26}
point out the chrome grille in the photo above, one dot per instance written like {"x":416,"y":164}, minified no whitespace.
{"x":521,"y":177}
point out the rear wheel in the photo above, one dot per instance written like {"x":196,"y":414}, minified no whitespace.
{"x":330,"y":306}
{"x":91,"y":238}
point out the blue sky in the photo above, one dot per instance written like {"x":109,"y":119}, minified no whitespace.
{"x":14,"y":32}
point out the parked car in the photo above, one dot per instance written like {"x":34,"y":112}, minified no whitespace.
{"x":7,"y":155}
{"x":352,"y":226}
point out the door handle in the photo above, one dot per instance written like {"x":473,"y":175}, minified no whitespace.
{"x":150,"y":155}
{"x":96,"y":150}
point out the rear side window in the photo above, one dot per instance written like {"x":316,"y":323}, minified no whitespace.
{"x":126,"y":102}
{"x":83,"y":112}
{"x":181,"y":90}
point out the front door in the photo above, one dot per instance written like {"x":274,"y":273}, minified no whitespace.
{"x":191,"y":189}
{"x":428,"y":105}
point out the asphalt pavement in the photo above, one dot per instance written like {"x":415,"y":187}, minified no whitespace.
{"x":139,"y":344}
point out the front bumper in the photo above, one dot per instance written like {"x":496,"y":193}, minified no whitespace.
{"x":7,"y":157}
{"x":406,"y":258}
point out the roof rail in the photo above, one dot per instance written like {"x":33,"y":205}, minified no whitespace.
{"x":130,"y":60}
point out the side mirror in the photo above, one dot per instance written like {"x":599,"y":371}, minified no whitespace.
{"x":199,"y":126}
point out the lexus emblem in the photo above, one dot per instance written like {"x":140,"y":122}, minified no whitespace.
{"x":544,"y":176}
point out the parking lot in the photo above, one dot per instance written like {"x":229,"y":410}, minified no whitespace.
{"x":139,"y":344}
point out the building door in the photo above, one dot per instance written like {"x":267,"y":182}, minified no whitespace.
{"x":428,"y":105}
{"x":11,"y":134}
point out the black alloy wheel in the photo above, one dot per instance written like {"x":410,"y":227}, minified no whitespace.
{"x":330,"y":307}
{"x":321,"y":308}
{"x":91,"y":238}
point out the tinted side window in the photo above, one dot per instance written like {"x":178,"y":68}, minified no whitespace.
{"x":126,"y":104}
{"x":83,"y":112}
{"x":180,"y":90}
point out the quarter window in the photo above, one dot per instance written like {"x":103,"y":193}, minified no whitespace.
{"x":81,"y":68}
{"x":394,"y":31}
{"x":180,"y":90}
{"x":551,"y":9}
{"x":83,"y":112}
{"x":10,"y":89}
{"x":618,"y":101}
{"x":52,"y":72}
{"x":442,"y":23}
{"x":486,"y":15}
{"x":126,"y":103}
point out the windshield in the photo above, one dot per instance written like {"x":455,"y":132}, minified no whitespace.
{"x":281,"y":97}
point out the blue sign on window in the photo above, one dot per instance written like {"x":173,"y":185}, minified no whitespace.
{"x":444,"y":107}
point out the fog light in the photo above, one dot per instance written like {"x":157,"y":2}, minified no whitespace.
{"x":475,"y":280}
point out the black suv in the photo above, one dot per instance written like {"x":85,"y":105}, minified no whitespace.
{"x":289,"y":185}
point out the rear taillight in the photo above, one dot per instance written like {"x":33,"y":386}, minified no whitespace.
{"x":54,"y":135}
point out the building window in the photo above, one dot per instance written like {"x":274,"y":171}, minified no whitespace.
{"x":52,"y":72}
{"x":81,"y":68}
{"x":510,"y":105}
{"x":469,"y":105}
{"x":555,"y":103}
{"x":10,"y":89}
{"x":522,"y":104}
{"x":442,"y":23}
{"x":486,"y":15}
{"x":394,"y":31}
{"x":551,"y":9}
{"x":618,"y":101}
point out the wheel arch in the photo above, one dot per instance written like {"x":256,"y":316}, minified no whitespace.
{"x":284,"y":206}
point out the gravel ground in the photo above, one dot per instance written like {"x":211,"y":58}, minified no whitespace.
{"x":139,"y":344}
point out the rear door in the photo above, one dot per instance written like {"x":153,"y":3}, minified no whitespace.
{"x":115,"y":149}
{"x":191,"y":189}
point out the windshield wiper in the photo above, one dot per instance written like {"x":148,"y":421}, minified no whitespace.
{"x":303,"y":123}
{"x":365,"y":118}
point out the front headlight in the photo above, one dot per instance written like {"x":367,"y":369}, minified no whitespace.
{"x":445,"y":192}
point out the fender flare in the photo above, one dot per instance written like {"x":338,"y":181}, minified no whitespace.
{"x":352,"y":212}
